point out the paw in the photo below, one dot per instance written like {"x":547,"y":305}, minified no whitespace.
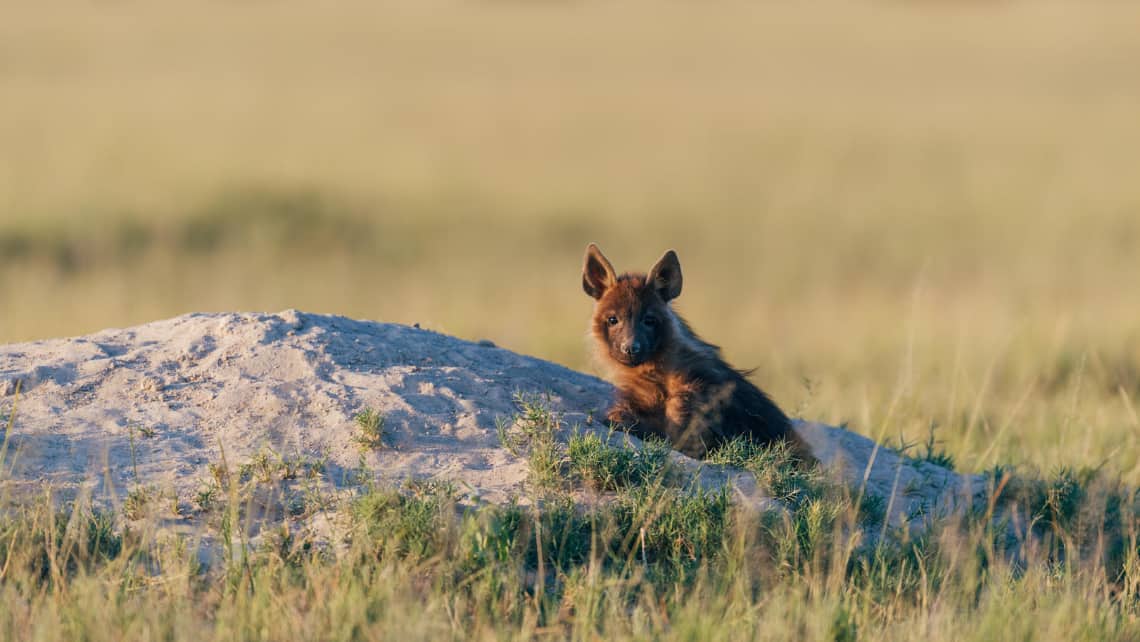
{"x":621,"y":417}
{"x":629,"y":422}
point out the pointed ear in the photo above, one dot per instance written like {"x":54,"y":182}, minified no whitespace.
{"x":666,"y":276}
{"x":597,"y":273}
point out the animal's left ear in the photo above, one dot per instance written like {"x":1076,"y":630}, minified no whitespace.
{"x":666,"y":276}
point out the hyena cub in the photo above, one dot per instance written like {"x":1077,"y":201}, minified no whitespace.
{"x":669,"y":382}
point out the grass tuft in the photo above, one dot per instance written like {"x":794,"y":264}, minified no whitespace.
{"x":606,"y":467}
{"x":532,"y":432}
{"x":370,"y":433}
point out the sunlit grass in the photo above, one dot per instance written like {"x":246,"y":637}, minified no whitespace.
{"x":654,"y":561}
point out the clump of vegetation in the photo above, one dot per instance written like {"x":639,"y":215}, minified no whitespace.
{"x":673,"y":527}
{"x":206,"y":497}
{"x":532,"y":432}
{"x":603,"y":466}
{"x":41,"y":544}
{"x":260,"y":467}
{"x":370,"y":433}
{"x":931,"y":452}
{"x":138,"y":501}
{"x":267,"y":466}
{"x":586,"y":458}
{"x":776,"y":468}
{"x":412,"y":522}
{"x":266,"y":481}
{"x":818,"y":504}
{"x":301,"y":466}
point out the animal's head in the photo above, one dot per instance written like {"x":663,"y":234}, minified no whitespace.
{"x":632,"y":319}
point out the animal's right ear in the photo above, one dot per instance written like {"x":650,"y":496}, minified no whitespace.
{"x":597,"y":273}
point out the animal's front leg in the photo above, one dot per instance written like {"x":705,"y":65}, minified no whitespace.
{"x":678,"y":410}
{"x":636,"y":421}
{"x":682,"y":427}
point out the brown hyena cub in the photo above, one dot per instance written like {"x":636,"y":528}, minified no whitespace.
{"x":669,"y":382}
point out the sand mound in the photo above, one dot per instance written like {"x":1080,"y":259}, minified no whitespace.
{"x":166,"y":398}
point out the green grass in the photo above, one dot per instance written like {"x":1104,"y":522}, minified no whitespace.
{"x":775,"y":468}
{"x":533,"y":432}
{"x":40,"y":545}
{"x":603,"y":466}
{"x":1050,"y":557}
{"x":657,"y":561}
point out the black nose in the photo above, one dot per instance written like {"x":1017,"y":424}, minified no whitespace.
{"x":632,"y":349}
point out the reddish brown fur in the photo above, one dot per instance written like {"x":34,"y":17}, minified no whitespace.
{"x":669,"y":382}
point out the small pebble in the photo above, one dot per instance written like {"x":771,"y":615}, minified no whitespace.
{"x":151,"y":385}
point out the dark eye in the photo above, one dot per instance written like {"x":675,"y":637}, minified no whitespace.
{"x":612,"y":320}
{"x":650,"y":321}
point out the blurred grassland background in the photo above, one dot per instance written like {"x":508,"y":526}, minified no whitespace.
{"x":903,"y":214}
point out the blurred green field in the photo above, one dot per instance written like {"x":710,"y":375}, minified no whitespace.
{"x":903,"y":214}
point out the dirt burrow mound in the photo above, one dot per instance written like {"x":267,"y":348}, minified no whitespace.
{"x":166,"y":403}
